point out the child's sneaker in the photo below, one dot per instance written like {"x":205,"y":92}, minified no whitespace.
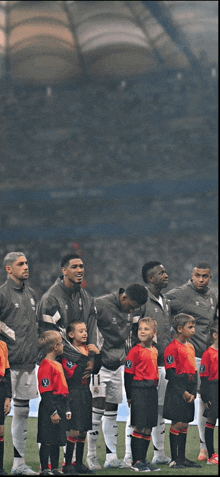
{"x":213,"y":459}
{"x":82,"y":469}
{"x":140,"y":466}
{"x":151,"y":466}
{"x":203,"y":454}
{"x":176,"y":465}
{"x":115,"y":464}
{"x":189,"y":463}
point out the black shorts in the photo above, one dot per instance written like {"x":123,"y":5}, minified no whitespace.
{"x":81,"y":409}
{"x":175,"y":407}
{"x":212,"y":413}
{"x":2,"y":402}
{"x":49,"y":433}
{"x":144,"y":407}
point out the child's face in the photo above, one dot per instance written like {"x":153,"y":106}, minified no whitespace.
{"x":188,"y":330}
{"x":146,"y":332}
{"x":59,"y":346}
{"x":79,"y":333}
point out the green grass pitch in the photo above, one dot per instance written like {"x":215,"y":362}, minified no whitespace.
{"x":32,"y":451}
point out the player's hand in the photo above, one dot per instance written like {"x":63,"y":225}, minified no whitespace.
{"x":129,"y":402}
{"x":56,"y":418}
{"x":88,"y":370}
{"x":188,"y":397}
{"x":68,"y":415}
{"x":7,"y":406}
{"x":92,"y":347}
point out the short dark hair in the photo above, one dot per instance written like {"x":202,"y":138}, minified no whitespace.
{"x":213,"y":329}
{"x":181,"y":320}
{"x":69,"y":256}
{"x":71,"y":325}
{"x":148,"y":319}
{"x":137,"y":293}
{"x":48,"y":340}
{"x":147,"y":267}
{"x":202,"y":265}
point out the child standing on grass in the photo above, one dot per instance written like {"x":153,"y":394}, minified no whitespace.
{"x":80,"y":397}
{"x":181,"y":373}
{"x":53,"y":408}
{"x":141,"y":379}
{"x":5,"y":396}
{"x":209,"y":391}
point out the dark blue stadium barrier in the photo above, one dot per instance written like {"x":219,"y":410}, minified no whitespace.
{"x":150,"y":227}
{"x":147,"y":189}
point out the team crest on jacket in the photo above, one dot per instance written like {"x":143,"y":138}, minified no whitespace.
{"x":70,"y":364}
{"x":202,"y":368}
{"x":129,"y":364}
{"x":45,"y":382}
{"x":170,"y":359}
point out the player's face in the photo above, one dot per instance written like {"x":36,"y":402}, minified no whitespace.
{"x":188,"y":330}
{"x":127,"y":304}
{"x":74,"y":272}
{"x":18,"y":270}
{"x":160,"y":277}
{"x":201,"y":277}
{"x":80,"y":334}
{"x":146,"y":332}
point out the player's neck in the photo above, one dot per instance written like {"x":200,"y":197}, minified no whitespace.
{"x":52,"y":356}
{"x":80,"y":346}
{"x":147,"y":344}
{"x":214,"y":346}
{"x":153,"y":289}
{"x":181,"y":338}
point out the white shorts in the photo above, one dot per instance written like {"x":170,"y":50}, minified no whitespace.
{"x":107,"y":384}
{"x":161,"y":390}
{"x":24,"y":384}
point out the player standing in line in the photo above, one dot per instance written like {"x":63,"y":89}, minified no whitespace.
{"x":18,"y":316}
{"x":80,"y":397}
{"x":181,"y":373}
{"x":5,"y":396}
{"x":197,"y":299}
{"x":141,"y":380}
{"x":114,"y":322}
{"x":209,"y":390}
{"x":53,"y":409}
{"x":157,"y":307}
{"x":66,"y":300}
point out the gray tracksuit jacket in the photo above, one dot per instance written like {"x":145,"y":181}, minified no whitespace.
{"x":153,"y":309}
{"x":19,"y":325}
{"x":115,"y":326}
{"x":57,"y":308}
{"x":201,"y":305}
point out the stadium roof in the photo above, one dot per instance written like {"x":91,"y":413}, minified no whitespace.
{"x":52,"y":41}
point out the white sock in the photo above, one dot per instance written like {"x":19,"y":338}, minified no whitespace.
{"x":110,"y":431}
{"x":128,"y":433}
{"x":19,"y":427}
{"x":201,"y":422}
{"x":158,"y":434}
{"x":92,"y":436}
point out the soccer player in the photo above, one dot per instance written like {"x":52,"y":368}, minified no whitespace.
{"x":18,"y":316}
{"x":141,"y":380}
{"x":5,"y":396}
{"x":66,"y":300}
{"x":181,"y":373}
{"x":80,"y":397}
{"x":209,"y":390}
{"x":114,"y":322}
{"x":157,"y":307}
{"x":197,"y":299}
{"x":53,"y":408}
